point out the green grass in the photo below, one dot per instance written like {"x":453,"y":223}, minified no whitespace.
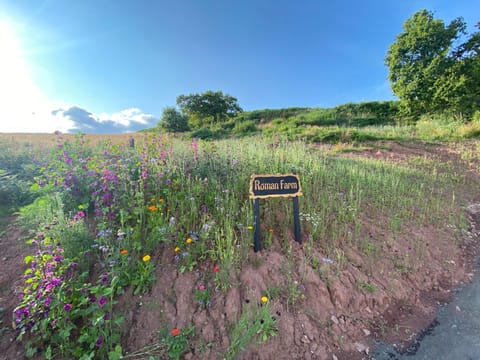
{"x":190,"y":199}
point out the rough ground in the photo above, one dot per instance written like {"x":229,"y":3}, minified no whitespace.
{"x":336,"y":320}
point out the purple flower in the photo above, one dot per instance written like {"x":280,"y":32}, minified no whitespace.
{"x":67,"y":307}
{"x":104,"y":279}
{"x":106,"y":316}
{"x":99,"y":341}
{"x":58,"y":258}
{"x":102,"y":301}
{"x":47,"y":301}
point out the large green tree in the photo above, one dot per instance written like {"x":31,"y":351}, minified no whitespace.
{"x":208,"y":108}
{"x":426,"y":72}
{"x":173,"y":121}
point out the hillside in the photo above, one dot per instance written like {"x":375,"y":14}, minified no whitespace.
{"x":385,"y":231}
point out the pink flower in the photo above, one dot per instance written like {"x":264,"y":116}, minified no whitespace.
{"x":201,"y":287}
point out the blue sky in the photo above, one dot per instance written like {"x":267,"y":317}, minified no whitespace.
{"x":113,"y":65}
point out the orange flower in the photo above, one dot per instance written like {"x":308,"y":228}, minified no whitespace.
{"x":152,"y":208}
{"x":160,"y":200}
{"x":124,"y":252}
{"x":270,"y":230}
{"x":175,"y":332}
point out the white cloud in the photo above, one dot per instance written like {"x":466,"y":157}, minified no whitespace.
{"x":127,"y":120}
{"x":127,"y":117}
{"x":24,"y":108}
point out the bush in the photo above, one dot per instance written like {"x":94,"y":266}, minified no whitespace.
{"x":244,"y":128}
{"x":207,"y":134}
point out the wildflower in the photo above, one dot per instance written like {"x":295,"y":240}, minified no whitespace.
{"x":189,"y":241}
{"x":264,"y":299}
{"x":47,"y":301}
{"x":124,"y":252}
{"x":201,"y":287}
{"x":146,"y":258}
{"x":99,"y":342}
{"x":270,"y":230}
{"x":185,"y":254}
{"x":67,"y":307}
{"x":175,"y":332}
{"x":177,"y":249}
{"x":160,"y":200}
{"x":250,"y":227}
{"x":102,"y":301}
{"x":216,"y":269}
{"x":152,"y":208}
{"x":104,"y":279}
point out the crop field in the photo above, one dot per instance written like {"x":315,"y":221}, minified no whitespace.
{"x":146,"y":251}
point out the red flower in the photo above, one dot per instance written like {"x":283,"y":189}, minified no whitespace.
{"x":175,"y":332}
{"x":216,"y":269}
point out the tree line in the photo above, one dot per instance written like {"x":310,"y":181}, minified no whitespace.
{"x":433,"y":68}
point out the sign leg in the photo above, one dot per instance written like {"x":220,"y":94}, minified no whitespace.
{"x":257,"y":236}
{"x":296,"y":220}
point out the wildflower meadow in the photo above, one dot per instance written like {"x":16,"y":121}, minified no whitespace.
{"x":108,"y":217}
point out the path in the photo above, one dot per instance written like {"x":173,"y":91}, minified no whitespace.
{"x":456,"y":331}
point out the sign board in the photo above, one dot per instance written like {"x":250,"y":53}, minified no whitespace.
{"x":264,"y":186}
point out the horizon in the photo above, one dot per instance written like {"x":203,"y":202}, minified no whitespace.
{"x":104,"y":68}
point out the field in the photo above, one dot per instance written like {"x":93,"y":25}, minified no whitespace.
{"x":146,"y":252}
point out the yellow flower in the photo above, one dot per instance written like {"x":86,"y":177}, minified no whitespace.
{"x":189,"y":241}
{"x":177,"y":249}
{"x":146,"y":258}
{"x":250,"y":227}
{"x":264,"y":299}
{"x":152,"y":208}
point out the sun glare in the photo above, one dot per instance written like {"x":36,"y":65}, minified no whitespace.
{"x":24,"y":107}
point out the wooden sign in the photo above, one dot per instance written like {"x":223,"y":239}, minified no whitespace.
{"x":264,"y":186}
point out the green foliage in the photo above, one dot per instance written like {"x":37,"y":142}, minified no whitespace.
{"x":244,"y":128}
{"x":173,"y":121}
{"x":17,"y":172}
{"x":256,"y":323}
{"x":207,"y":134}
{"x":427,"y":74}
{"x":177,"y":342}
{"x":208,"y":108}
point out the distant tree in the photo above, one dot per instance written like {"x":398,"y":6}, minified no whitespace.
{"x":423,"y":71}
{"x":208,"y":108}
{"x":173,"y":121}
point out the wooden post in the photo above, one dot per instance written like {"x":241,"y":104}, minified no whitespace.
{"x":296,"y":220}
{"x":256,"y":215}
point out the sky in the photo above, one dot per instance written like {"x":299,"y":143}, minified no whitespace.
{"x":112,"y":66}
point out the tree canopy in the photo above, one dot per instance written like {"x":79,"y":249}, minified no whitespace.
{"x":427,"y":73}
{"x":173,"y":121}
{"x":208,"y":108}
